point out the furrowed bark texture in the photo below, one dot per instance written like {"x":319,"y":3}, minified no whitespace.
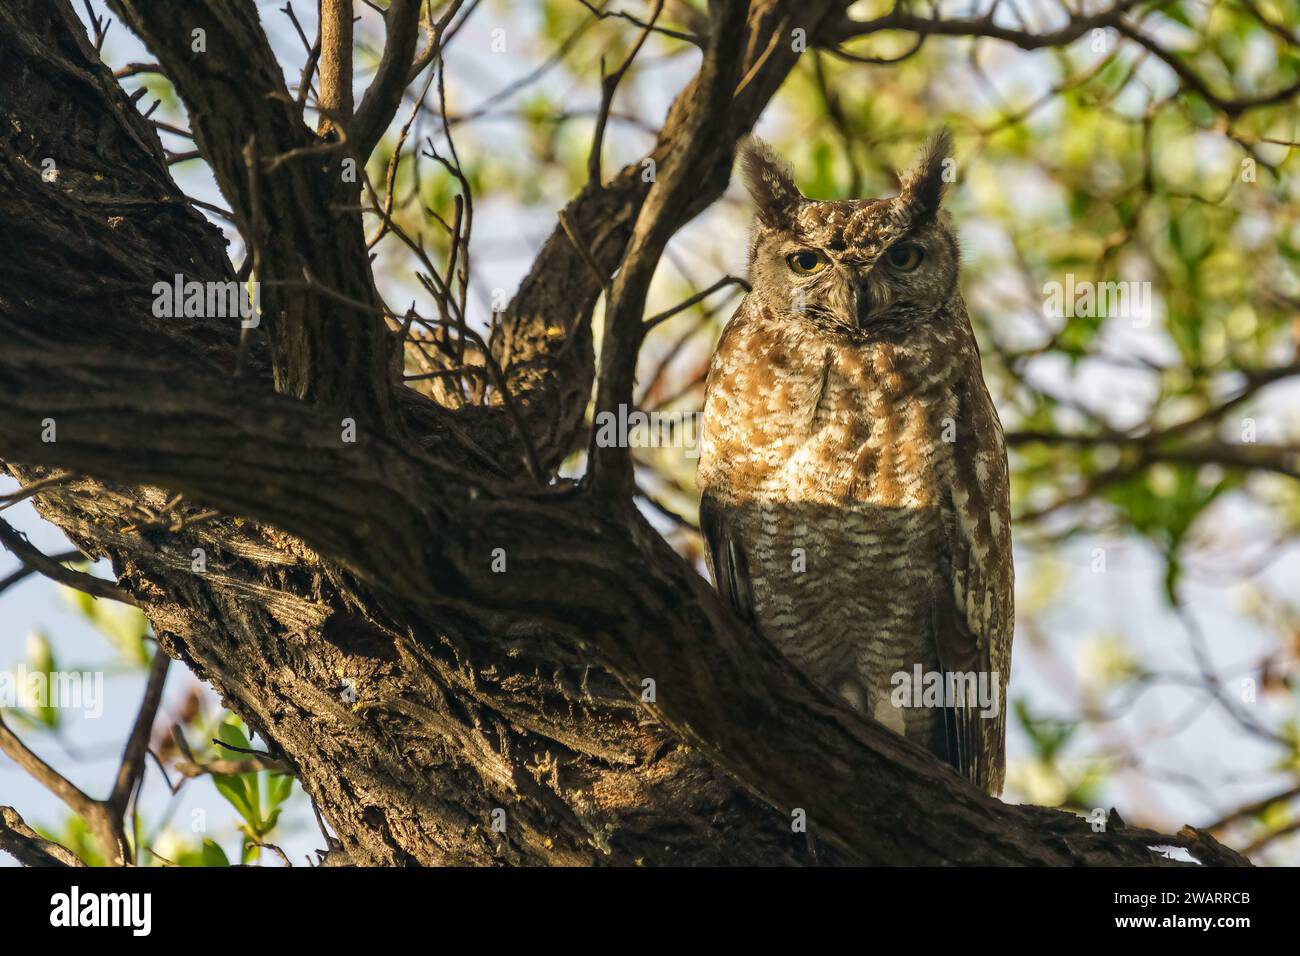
{"x":294,"y":195}
{"x":349,"y":611}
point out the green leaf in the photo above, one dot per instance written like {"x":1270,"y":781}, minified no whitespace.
{"x":234,"y":788}
{"x":40,"y":660}
{"x":126,"y":628}
{"x":213,"y":855}
{"x":279,"y":787}
{"x":1048,"y":735}
{"x":232,"y":734}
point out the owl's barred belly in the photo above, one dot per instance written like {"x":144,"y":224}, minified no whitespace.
{"x":836,"y":590}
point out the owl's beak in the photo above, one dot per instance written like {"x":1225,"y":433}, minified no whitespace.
{"x":861,"y":304}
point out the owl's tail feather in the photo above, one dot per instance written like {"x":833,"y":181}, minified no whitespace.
{"x":963,"y":742}
{"x":960,"y":659}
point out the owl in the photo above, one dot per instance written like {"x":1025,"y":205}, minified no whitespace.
{"x":852,"y":465}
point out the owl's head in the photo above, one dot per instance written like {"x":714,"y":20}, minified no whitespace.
{"x":876,"y":265}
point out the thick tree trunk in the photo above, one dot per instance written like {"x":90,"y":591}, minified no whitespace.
{"x":349,"y":610}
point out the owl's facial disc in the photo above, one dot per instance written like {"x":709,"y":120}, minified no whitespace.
{"x":861,"y":265}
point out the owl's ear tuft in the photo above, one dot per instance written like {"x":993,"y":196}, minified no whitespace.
{"x":925,"y":182}
{"x":770,"y":181}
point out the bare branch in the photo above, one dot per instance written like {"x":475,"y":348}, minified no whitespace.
{"x":26,"y":570}
{"x":135,"y":69}
{"x":379,"y":104}
{"x":552,"y":374}
{"x":698,"y":297}
{"x":647,"y":25}
{"x":1253,"y":808}
{"x":252,"y":135}
{"x":35,"y":488}
{"x":439,"y":34}
{"x":677,"y":179}
{"x":30,"y":848}
{"x":131,"y":768}
{"x":36,"y":559}
{"x":313,"y":57}
{"x":190,"y":769}
{"x":335,"y":65}
{"x":984,"y":26}
{"x":608,"y":87}
{"x":106,"y":827}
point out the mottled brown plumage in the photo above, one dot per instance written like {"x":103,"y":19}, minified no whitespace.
{"x":853,"y":470}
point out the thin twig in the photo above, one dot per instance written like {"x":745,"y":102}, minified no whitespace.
{"x":36,"y":487}
{"x":664,"y":316}
{"x":131,"y":769}
{"x":31,"y":556}
{"x":608,"y":87}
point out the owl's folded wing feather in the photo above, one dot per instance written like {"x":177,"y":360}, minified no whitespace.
{"x":965,"y":654}
{"x":973,"y":614}
{"x":726,"y":558}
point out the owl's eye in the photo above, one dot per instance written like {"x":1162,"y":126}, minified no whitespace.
{"x":905,"y":256}
{"x":805,"y":262}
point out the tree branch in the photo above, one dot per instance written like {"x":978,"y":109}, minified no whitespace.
{"x":30,"y":848}
{"x":545,"y":346}
{"x":608,"y":87}
{"x":380,"y":103}
{"x":703,"y":137}
{"x":292,"y":213}
{"x":26,"y":571}
{"x":106,"y":827}
{"x":984,"y":26}
{"x":37,"y":560}
{"x":131,"y":768}
{"x":1076,"y":27}
{"x":336,"y":67}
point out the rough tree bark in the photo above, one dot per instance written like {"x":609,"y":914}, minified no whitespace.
{"x":370,"y":563}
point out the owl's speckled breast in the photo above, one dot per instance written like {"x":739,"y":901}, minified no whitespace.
{"x":798,"y":413}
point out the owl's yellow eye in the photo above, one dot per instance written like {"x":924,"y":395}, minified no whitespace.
{"x":905,"y":256}
{"x":805,"y":262}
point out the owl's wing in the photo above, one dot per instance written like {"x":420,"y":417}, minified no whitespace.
{"x":726,"y":557}
{"x":973,"y":611}
{"x":962,"y":651}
